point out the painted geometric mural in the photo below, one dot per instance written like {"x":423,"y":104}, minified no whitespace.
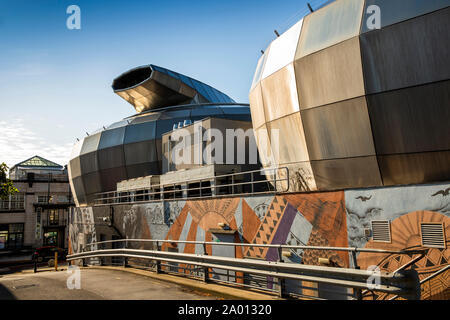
{"x":329,"y":219}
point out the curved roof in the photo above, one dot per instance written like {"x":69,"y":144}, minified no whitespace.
{"x":151,"y":87}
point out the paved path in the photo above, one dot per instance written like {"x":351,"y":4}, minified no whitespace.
{"x":95,"y":285}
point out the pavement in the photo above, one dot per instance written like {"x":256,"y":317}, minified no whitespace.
{"x":95,"y":284}
{"x":115,"y":283}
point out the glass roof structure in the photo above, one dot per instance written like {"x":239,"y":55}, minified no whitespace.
{"x":38,"y":161}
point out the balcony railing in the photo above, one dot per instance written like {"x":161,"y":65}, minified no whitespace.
{"x":273,"y":180}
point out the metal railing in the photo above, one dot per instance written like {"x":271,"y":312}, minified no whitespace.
{"x":273,"y":276}
{"x":271,"y":180}
{"x":434,"y":275}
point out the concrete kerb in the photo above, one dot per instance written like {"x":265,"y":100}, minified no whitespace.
{"x":222,"y":291}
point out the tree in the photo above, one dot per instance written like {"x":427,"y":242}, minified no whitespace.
{"x":6,"y":186}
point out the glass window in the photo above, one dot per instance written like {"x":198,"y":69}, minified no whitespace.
{"x":236,"y":110}
{"x":111,"y":138}
{"x":397,"y":11}
{"x":200,"y":88}
{"x":206,"y":111}
{"x":16,"y":227}
{"x":211,"y":94}
{"x":140,"y":132}
{"x":170,"y":114}
{"x":187,"y":80}
{"x":334,"y":23}
{"x":118,"y":124}
{"x":145,"y":118}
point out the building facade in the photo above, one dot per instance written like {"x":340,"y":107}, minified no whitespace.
{"x":358,"y":106}
{"x":361,"y":116}
{"x":38,"y":214}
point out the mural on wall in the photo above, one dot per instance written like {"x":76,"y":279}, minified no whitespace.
{"x":335,"y":219}
{"x":82,"y":229}
{"x":406,"y":208}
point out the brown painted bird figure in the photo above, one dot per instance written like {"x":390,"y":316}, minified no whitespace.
{"x":444,"y":193}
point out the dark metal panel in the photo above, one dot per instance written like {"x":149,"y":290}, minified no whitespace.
{"x":346,"y":173}
{"x":79,"y":190}
{"x":140,"y":132}
{"x":110,"y":138}
{"x":408,"y":53}
{"x":331,"y":75}
{"x":111,"y":157}
{"x":140,"y":152}
{"x":415,"y":168}
{"x":92,"y":183}
{"x":396,"y":11}
{"x":110,"y":178}
{"x":411,"y":120}
{"x":159,"y":153}
{"x":142,"y":170}
{"x":327,"y":26}
{"x":340,"y":130}
{"x":89,"y":163}
{"x":164,"y":126}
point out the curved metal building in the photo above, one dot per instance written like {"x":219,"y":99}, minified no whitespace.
{"x":358,"y":106}
{"x":131,"y":148}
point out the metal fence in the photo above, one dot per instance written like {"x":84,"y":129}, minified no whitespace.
{"x":271,"y":180}
{"x":280,"y":277}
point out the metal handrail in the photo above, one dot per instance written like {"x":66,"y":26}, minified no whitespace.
{"x":111,"y":197}
{"x":278,"y":246}
{"x":434,"y":275}
{"x":393,"y":283}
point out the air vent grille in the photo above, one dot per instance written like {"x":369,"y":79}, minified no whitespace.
{"x":381,"y":231}
{"x":433,"y":235}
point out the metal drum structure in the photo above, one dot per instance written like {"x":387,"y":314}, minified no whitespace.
{"x":131,"y":148}
{"x":356,"y":106}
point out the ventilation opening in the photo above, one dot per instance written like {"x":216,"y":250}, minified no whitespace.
{"x":381,"y":231}
{"x":131,"y":78}
{"x":433,"y":235}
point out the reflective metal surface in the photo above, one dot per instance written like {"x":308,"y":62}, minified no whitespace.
{"x":150,"y":87}
{"x":280,"y":94}
{"x":332,"y":24}
{"x":410,"y":53}
{"x":374,"y":106}
{"x":346,"y":173}
{"x":339,"y":130}
{"x":331,"y":75}
{"x":397,"y":11}
{"x":132,"y":148}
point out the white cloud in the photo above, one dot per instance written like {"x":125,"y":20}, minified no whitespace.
{"x":18,"y":142}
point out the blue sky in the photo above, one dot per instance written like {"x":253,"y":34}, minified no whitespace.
{"x":55,"y":83}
